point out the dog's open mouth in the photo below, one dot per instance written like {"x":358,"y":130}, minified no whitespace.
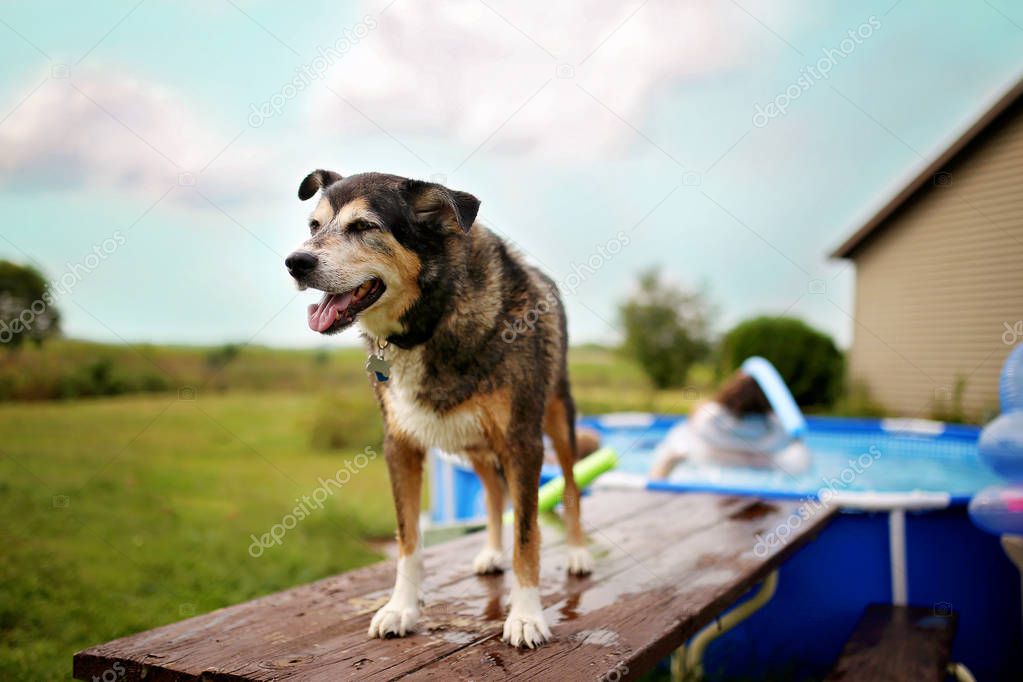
{"x":335,"y":311}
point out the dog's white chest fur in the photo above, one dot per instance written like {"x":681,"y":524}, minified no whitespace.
{"x":454,"y":431}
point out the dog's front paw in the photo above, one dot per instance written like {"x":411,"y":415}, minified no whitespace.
{"x":487,"y":561}
{"x":526,"y":630}
{"x":394,"y":620}
{"x":580,"y":561}
{"x":525,"y":626}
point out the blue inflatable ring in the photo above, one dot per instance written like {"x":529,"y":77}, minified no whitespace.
{"x":999,"y":509}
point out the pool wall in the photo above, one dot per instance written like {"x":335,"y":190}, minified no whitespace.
{"x":823,"y":589}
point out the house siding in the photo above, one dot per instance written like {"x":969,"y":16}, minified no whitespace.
{"x":938,"y":283}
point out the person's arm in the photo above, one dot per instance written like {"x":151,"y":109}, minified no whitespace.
{"x":672,"y":450}
{"x":794,"y":459}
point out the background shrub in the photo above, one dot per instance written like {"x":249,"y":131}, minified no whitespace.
{"x":26,"y":310}
{"x":665,"y":329}
{"x":807,"y":359}
{"x":67,"y":369}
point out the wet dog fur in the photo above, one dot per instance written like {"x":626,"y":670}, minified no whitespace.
{"x":451,"y":290}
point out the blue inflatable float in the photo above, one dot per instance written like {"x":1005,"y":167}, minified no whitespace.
{"x":777,"y":393}
{"x":1010,"y":386}
{"x":999,"y":509}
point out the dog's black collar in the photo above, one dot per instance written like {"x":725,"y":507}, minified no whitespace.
{"x":410,"y":339}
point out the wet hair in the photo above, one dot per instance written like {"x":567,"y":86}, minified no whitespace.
{"x":741,"y":395}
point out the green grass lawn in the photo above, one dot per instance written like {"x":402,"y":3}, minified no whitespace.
{"x":124,"y":513}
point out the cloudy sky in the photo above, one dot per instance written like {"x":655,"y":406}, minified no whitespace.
{"x":150,"y":151}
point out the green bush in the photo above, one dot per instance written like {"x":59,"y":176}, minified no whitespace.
{"x":665,"y":329}
{"x":95,"y":378}
{"x":221,"y":356}
{"x":26,"y":306}
{"x":102,"y":377}
{"x":65,"y":369}
{"x":807,"y":359}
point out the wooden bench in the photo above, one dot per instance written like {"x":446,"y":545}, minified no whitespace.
{"x":896,"y":643}
{"x":666,"y":565}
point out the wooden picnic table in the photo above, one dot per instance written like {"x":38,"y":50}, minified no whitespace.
{"x":666,"y":565}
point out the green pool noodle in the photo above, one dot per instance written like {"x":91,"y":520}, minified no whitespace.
{"x":585,"y":470}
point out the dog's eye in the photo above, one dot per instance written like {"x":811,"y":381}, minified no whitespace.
{"x":361,"y":226}
{"x":313,"y":226}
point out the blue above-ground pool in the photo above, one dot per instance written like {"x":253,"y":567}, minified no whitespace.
{"x":904,"y":486}
{"x":904,"y":536}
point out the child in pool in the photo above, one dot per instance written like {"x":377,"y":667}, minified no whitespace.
{"x":737,"y":428}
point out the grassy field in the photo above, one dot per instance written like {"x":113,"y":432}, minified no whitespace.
{"x":123,"y":513}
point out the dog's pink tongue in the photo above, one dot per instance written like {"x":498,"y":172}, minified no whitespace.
{"x":324,"y":313}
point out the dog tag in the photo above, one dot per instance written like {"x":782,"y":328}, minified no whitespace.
{"x":380,"y":368}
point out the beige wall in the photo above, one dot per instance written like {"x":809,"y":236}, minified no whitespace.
{"x":937,"y":284}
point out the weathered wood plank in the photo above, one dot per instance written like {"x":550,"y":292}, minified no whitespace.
{"x":210,"y":643}
{"x":666,"y":564}
{"x":619,"y":628}
{"x":896,"y":644}
{"x":340,"y":640}
{"x":464,"y":614}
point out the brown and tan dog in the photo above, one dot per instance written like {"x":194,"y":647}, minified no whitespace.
{"x":471,"y":344}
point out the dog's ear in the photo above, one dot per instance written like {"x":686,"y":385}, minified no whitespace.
{"x":316,"y":181}
{"x":432,"y":202}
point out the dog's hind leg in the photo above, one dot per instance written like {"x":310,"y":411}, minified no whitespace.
{"x":489,"y":558}
{"x":525,"y":625}
{"x":399,"y":616}
{"x":559,"y":423}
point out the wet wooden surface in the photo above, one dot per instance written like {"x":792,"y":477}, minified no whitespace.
{"x":666,"y":565}
{"x":895,"y":644}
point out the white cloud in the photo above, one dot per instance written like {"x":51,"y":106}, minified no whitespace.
{"x":459,"y":70}
{"x":105,"y":128}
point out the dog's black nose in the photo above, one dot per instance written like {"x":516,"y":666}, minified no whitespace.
{"x":300,"y":263}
